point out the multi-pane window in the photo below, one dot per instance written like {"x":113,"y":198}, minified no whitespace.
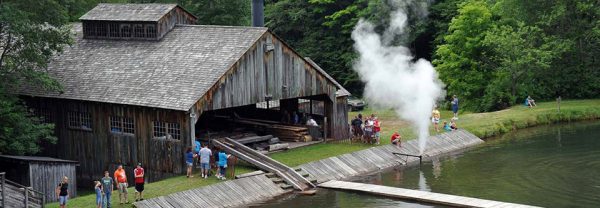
{"x":125,"y":30}
{"x":80,"y":120}
{"x":43,"y":114}
{"x":101,"y":30}
{"x":150,"y":31}
{"x":114,"y":30}
{"x":166,"y":129}
{"x":138,"y":31}
{"x":121,"y":125}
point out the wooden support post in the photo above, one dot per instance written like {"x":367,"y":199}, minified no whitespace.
{"x":325,"y":129}
{"x":26,"y":202}
{"x":3,"y":176}
{"x":311,"y":107}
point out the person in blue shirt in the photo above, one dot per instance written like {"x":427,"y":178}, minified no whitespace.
{"x":454,"y":103}
{"x":222,"y":164}
{"x":197,"y":147}
{"x":447,"y":127}
{"x":189,"y":161}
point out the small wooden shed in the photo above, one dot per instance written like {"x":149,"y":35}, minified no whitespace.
{"x":41,"y":173}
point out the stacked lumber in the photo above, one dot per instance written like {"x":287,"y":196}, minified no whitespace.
{"x":290,"y":133}
{"x":281,"y":131}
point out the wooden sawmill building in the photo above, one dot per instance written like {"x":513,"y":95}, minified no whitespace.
{"x":140,"y":79}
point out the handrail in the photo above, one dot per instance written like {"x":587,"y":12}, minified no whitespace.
{"x":40,"y":198}
{"x":23,"y":187}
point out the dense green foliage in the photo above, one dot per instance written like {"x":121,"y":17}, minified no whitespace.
{"x":495,"y":53}
{"x":31,"y":32}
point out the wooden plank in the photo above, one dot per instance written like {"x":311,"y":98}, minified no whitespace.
{"x":423,"y":196}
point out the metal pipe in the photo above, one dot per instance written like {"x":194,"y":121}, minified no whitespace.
{"x":258,"y":19}
{"x":409,"y":155}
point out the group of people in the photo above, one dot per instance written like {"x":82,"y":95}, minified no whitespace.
{"x":436,"y":117}
{"x":298,"y":118}
{"x":105,"y":186}
{"x":368,"y":131}
{"x":530,"y":102}
{"x":203,"y":156}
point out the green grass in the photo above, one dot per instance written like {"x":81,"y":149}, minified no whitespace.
{"x":481,"y":124}
{"x":159,"y":188}
{"x":490,"y":124}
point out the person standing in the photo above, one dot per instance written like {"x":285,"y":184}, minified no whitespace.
{"x":98,"y":190}
{"x":189,"y":161}
{"x":107,"y":188}
{"x":138,"y":173}
{"x":222,"y":164}
{"x":376,"y":128}
{"x":62,"y":192}
{"x":205,"y":160}
{"x":121,"y":181}
{"x":356,"y":126}
{"x":455,"y":107}
{"x":435,"y":119}
{"x":368,"y":130}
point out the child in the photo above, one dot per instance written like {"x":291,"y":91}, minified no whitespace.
{"x":447,"y":127}
{"x":222,"y":164}
{"x":453,"y":125}
{"x":99,"y":193}
{"x":396,"y":139}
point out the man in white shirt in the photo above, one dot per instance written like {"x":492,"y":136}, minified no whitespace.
{"x":205,"y":154}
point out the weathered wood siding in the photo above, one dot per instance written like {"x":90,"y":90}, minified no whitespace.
{"x":176,"y":16}
{"x":100,"y":149}
{"x":44,"y":177}
{"x":340,"y":127}
{"x":279,"y":72}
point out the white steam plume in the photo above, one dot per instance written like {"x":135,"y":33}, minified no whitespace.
{"x":392,"y":79}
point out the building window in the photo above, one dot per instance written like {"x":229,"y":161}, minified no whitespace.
{"x":138,"y":31}
{"x":125,"y":30}
{"x":167,"y":130}
{"x":80,"y":120}
{"x":272,"y":104}
{"x":121,"y":125}
{"x":101,"y":30}
{"x":43,"y":114}
{"x":114,"y":30}
{"x":150,"y":31}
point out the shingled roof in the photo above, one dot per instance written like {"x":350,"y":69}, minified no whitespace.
{"x":172,"y":73}
{"x":128,"y":12}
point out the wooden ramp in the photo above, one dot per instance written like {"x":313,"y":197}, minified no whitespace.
{"x":377,"y":158}
{"x":423,"y":196}
{"x":265,"y":163}
{"x":234,"y":193}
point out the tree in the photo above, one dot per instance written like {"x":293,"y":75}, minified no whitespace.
{"x":31,"y":32}
{"x":461,"y":61}
{"x":517,"y":53}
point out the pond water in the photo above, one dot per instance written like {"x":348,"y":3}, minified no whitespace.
{"x":549,"y":166}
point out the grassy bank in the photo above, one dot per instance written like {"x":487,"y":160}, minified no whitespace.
{"x":490,"y":124}
{"x":160,"y":188}
{"x":481,"y":124}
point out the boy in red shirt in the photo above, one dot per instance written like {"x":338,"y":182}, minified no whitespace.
{"x":396,"y":139}
{"x":139,"y":182}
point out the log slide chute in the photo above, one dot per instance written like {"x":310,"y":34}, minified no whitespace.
{"x":265,"y":163}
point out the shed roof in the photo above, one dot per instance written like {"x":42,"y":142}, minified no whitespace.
{"x":128,"y":12}
{"x":35,"y":159}
{"x":172,"y":73}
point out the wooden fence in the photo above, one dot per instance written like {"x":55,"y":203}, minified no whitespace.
{"x":16,"y":195}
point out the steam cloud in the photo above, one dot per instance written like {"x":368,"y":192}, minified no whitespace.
{"x":392,"y":79}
